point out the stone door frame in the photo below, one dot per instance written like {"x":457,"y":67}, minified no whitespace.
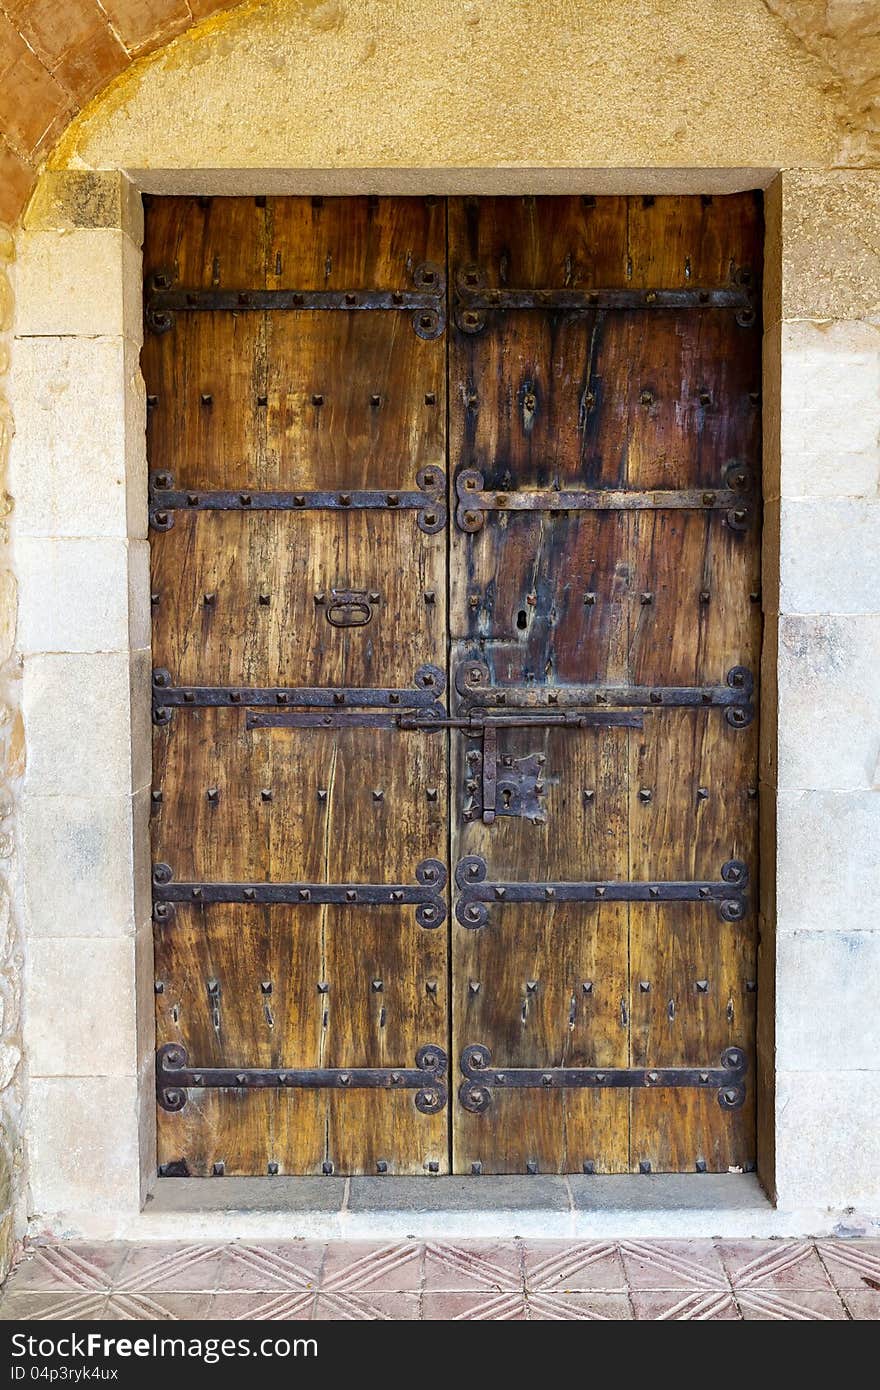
{"x":79,"y":479}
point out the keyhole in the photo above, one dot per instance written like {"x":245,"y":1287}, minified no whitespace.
{"x":521,"y":620}
{"x":506,"y":797}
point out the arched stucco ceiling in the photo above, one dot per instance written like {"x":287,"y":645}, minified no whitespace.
{"x":57,"y":56}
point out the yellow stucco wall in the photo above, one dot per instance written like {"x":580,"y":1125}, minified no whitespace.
{"x":452,"y":85}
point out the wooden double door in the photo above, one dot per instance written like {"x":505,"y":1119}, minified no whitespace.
{"x":455,"y":527}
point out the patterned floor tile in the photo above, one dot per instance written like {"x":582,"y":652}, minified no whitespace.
{"x":156,"y":1307}
{"x":171,"y":1268}
{"x":263,"y":1268}
{"x":74,"y":1266}
{"x":852,"y":1264}
{"x":673,"y":1264}
{"x":392,"y":1268}
{"x":862,"y":1304}
{"x":294,"y":1306}
{"x":566,"y":1264}
{"x":699,"y":1305}
{"x":473,"y":1307}
{"x":586,"y":1306}
{"x":473,"y":1265}
{"x":797,"y":1305}
{"x":366,"y":1307}
{"x":773,"y":1264}
{"x":37,"y":1307}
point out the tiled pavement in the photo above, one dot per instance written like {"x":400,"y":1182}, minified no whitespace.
{"x":514,"y":1279}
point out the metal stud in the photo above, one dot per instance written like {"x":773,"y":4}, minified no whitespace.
{"x":645,"y":599}
{"x":589,"y":796}
{"x":702,"y":793}
{"x":700,"y":1165}
{"x":207,"y":398}
{"x":213,"y":795}
{"x":156,"y":797}
{"x":376,"y":986}
{"x":532,"y":1166}
{"x":645,"y":795}
{"x":272,"y":1169}
{"x":317,"y":399}
{"x":431,"y":987}
{"x":431,"y":793}
{"x":473,"y":987}
{"x":322,"y":793}
{"x":704,"y":596}
{"x":588,"y":1166}
{"x":432,"y":1166}
{"x":476,"y":1168}
{"x":323,"y":987}
{"x":587,"y":986}
{"x":218,"y":1169}
{"x":702,"y":986}
{"x":326,"y":1168}
{"x":531,"y":986}
{"x":375,"y":401}
{"x":430,"y":398}
{"x":266,"y":794}
{"x":644,"y":1166}
{"x":645,"y":986}
{"x":209,"y":600}
{"x":589,"y":599}
{"x":378,"y":794}
{"x":381,"y":1165}
{"x":262,"y":401}
{"x":159,"y":987}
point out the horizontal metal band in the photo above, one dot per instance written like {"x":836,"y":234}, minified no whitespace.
{"x":434,"y":719}
{"x":475,"y":1092}
{"x":429,"y":682}
{"x":475,"y":500}
{"x":425,"y":893}
{"x":475,"y":299}
{"x":475,"y":893}
{"x":426,"y":302}
{"x":473,"y":681}
{"x":174,"y":1078}
{"x":429,"y":501}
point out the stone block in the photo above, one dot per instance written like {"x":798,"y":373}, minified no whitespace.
{"x":83,"y":1144}
{"x":826,"y":1001}
{"x":828,"y":702}
{"x":79,"y":857}
{"x":829,"y":556}
{"x":81,"y":1007}
{"x":141,"y":726}
{"x":142,"y":988}
{"x":78,"y":459}
{"x":95,"y":199}
{"x":827,"y":1140}
{"x":830,"y":250}
{"x":830,"y":410}
{"x":139,"y":611}
{"x":78,"y":283}
{"x":75,"y":594}
{"x":828,"y":853}
{"x":81,"y":727}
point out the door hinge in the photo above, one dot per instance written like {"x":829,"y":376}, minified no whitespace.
{"x":175,"y":1078}
{"x":481,"y":1078}
{"x":428,"y":683}
{"x":475,"y":893}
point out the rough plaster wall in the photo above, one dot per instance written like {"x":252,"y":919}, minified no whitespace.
{"x":845,"y":34}
{"x":11,"y":759}
{"x":444,"y":83}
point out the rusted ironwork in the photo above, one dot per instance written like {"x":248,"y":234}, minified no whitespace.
{"x":475,"y":500}
{"x":425,"y":302}
{"x":175,"y":1078}
{"x":428,"y":501}
{"x":476,"y":299}
{"x":475,"y":893}
{"x":428,"y":683}
{"x":473,"y":681}
{"x":481,"y":1078}
{"x":426,"y":894}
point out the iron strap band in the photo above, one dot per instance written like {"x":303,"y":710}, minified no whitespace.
{"x":174,"y":1078}
{"x":473,"y":681}
{"x":475,"y":1092}
{"x":426,"y":302}
{"x":166,"y":499}
{"x":425,"y":894}
{"x":475,"y":499}
{"x":475,"y":893}
{"x":428,"y":682}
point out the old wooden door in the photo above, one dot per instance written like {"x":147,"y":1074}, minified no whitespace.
{"x":569,"y":761}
